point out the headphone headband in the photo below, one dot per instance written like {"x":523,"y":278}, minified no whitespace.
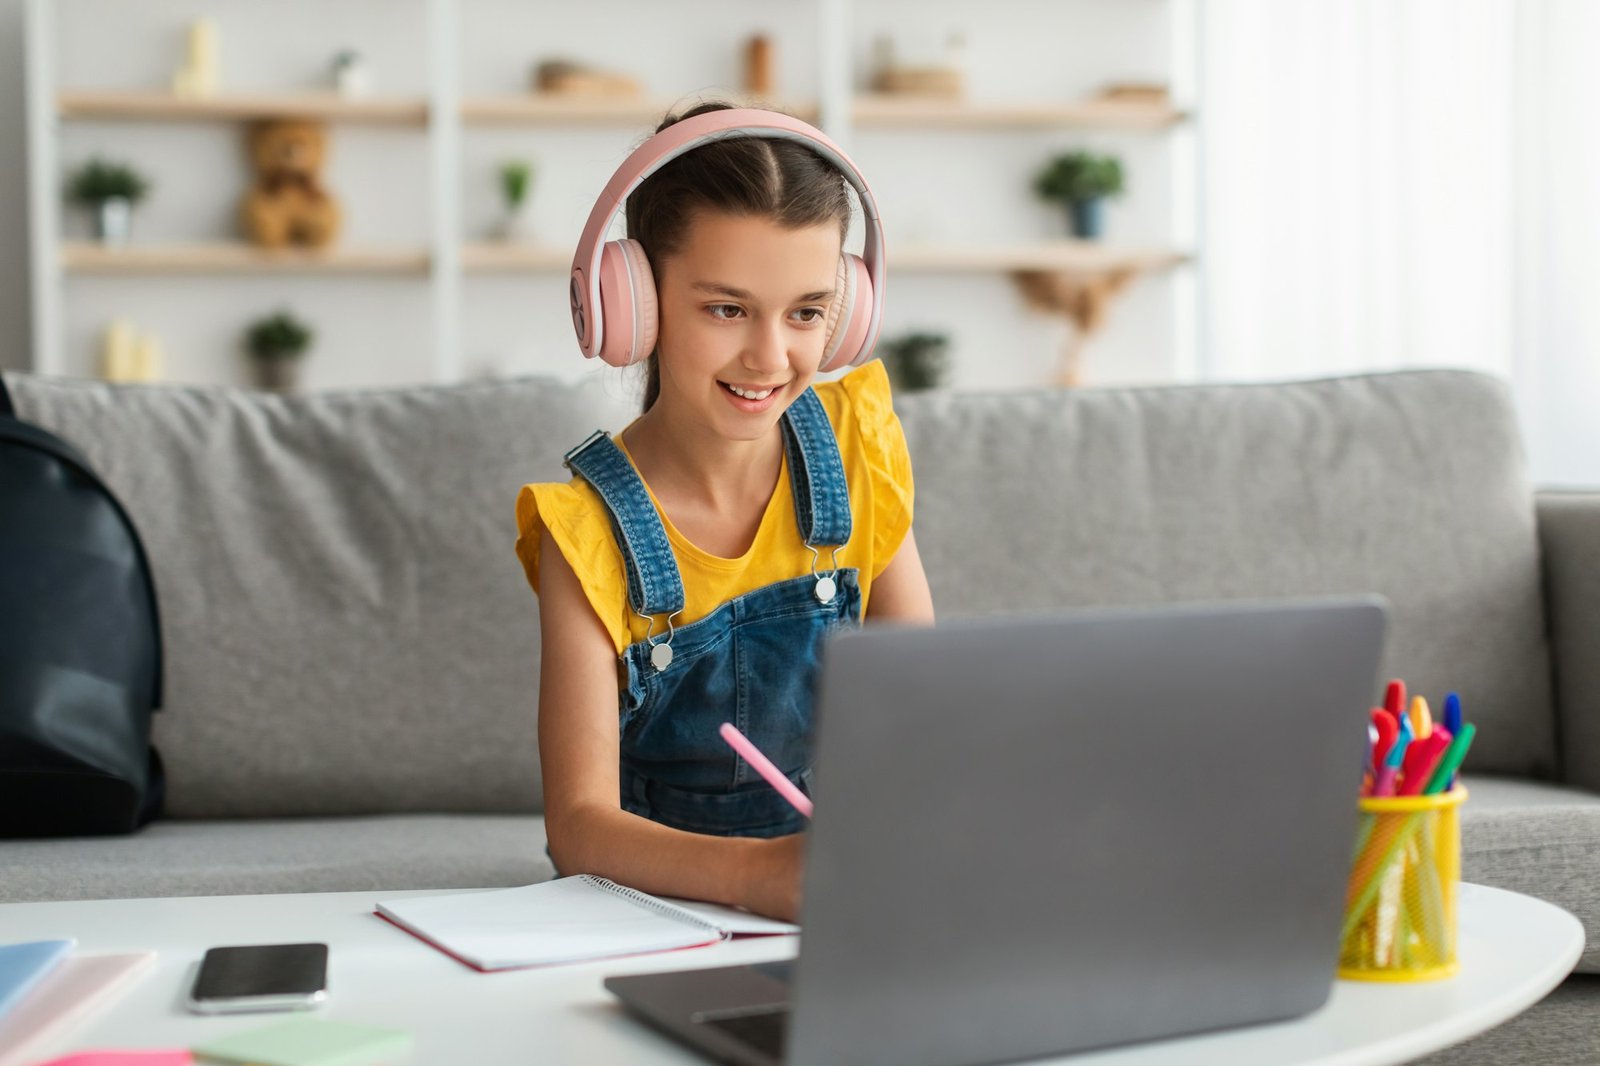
{"x":684,"y":136}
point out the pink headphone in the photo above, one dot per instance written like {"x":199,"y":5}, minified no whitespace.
{"x":614,"y":294}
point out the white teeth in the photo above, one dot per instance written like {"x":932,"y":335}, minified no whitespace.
{"x":737,"y":391}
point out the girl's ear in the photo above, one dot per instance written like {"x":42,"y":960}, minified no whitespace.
{"x":627,"y":315}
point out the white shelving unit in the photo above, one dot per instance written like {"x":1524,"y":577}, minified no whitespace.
{"x":444,"y":117}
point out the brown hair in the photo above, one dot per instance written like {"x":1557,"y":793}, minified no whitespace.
{"x":779,"y":180}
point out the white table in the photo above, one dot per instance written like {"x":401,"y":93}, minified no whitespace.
{"x":1514,"y":950}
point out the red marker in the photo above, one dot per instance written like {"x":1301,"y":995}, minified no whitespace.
{"x":1394,"y":699}
{"x":1422,"y":760}
{"x":1388,"y":729}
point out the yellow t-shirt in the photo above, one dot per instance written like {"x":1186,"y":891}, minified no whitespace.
{"x":877,"y":468}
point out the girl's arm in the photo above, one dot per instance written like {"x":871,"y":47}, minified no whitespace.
{"x":579,"y":744}
{"x":900,"y":593}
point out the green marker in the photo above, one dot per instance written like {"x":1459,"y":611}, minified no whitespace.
{"x":1452,"y":760}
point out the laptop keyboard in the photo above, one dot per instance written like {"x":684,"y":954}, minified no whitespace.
{"x":765,"y":1031}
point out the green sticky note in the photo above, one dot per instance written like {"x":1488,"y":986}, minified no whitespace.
{"x":308,"y":1042}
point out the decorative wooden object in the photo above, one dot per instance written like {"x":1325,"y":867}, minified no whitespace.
{"x":941,"y":82}
{"x":760,"y":66}
{"x":1084,"y":298}
{"x":562,"y":77}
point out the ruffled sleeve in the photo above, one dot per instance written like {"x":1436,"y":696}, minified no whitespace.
{"x":576,"y":519}
{"x":885,"y":456}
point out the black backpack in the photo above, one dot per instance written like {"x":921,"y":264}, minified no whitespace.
{"x":80,"y":646}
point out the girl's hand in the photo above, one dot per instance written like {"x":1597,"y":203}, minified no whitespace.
{"x":772,"y":882}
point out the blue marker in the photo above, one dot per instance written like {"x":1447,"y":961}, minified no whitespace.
{"x":1452,"y":714}
{"x":1452,"y":722}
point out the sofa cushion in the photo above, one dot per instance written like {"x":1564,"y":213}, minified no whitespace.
{"x":347,"y":627}
{"x":1408,"y":484}
{"x":1569,"y":540}
{"x":217,"y":858}
{"x":1538,"y":839}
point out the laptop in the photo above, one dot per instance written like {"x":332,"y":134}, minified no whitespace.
{"x":1046,"y":833}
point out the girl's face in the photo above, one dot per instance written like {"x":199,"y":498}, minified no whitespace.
{"x":743,"y":313}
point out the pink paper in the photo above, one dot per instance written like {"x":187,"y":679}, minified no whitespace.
{"x":123,"y":1058}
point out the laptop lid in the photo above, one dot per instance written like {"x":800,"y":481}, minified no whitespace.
{"x":1037,"y":834}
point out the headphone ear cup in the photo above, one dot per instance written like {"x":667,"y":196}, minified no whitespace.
{"x":627,"y":311}
{"x":849,"y":317}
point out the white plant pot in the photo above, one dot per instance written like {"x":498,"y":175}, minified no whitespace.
{"x":517,"y":224}
{"x":113,"y":220}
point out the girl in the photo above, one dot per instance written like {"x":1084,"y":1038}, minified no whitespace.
{"x":676,"y":588}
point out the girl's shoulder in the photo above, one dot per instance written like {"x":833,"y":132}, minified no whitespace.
{"x":578,"y":523}
{"x":877,"y":460}
{"x":861,"y":407}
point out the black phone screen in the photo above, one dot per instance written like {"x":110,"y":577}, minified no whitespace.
{"x":262,"y":970}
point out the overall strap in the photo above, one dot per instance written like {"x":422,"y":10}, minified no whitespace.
{"x":816,"y":473}
{"x":654,"y":585}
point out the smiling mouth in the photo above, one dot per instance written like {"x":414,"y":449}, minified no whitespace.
{"x":749,"y":394}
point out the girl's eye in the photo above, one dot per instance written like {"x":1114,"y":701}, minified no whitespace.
{"x":717,"y":309}
{"x":813,"y":314}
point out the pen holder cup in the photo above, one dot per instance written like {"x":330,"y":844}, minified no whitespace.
{"x":1400,"y":905}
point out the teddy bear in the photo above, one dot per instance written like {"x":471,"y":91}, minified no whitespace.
{"x":287,"y":203}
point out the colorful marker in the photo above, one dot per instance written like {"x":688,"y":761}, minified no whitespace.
{"x":1422,"y":760}
{"x":1384,"y":785}
{"x":1452,"y":713}
{"x":1445,"y":772}
{"x":1421,"y":718}
{"x":1388,"y":730}
{"x":1394,"y":699}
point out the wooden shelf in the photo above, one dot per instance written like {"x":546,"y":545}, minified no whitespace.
{"x":868,"y":111}
{"x":232,"y":107}
{"x":884,"y":111}
{"x":491,"y":257}
{"x":1065,"y":257}
{"x":239,"y":258}
{"x":572,"y":110}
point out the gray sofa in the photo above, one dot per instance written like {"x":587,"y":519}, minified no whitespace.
{"x":353,"y":655}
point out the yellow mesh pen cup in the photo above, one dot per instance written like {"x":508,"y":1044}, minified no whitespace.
{"x":1400,"y":905}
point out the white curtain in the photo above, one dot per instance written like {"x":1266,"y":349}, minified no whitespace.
{"x":1392,"y":183}
{"x":1557,"y":341}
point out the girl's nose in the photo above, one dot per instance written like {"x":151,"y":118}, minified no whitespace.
{"x":769,"y":348}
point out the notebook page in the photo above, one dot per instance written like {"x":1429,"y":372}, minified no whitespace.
{"x":732,"y":919}
{"x":566,"y":920}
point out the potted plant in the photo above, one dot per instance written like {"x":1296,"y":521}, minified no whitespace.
{"x":1081,"y":181}
{"x":917,"y":361}
{"x":277,"y":342}
{"x":516,"y":175}
{"x":109,"y":190}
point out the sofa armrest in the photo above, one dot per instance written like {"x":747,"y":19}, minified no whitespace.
{"x":1569,"y":542}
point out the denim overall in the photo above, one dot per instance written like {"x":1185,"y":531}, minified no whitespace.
{"x":752,"y":661}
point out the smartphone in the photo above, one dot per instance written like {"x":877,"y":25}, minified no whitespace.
{"x":261,"y":977}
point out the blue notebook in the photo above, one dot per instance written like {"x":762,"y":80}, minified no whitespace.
{"x":23,"y":965}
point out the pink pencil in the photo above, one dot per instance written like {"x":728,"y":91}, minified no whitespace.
{"x":763,"y":766}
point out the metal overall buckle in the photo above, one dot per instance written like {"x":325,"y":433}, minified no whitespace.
{"x":827,"y":588}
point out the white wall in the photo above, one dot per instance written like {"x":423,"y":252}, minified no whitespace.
{"x":958,"y":185}
{"x":14,"y":333}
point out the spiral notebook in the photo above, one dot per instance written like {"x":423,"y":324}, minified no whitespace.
{"x":570,"y":919}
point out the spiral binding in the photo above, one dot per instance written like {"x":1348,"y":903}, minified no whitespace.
{"x":660,"y":906}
